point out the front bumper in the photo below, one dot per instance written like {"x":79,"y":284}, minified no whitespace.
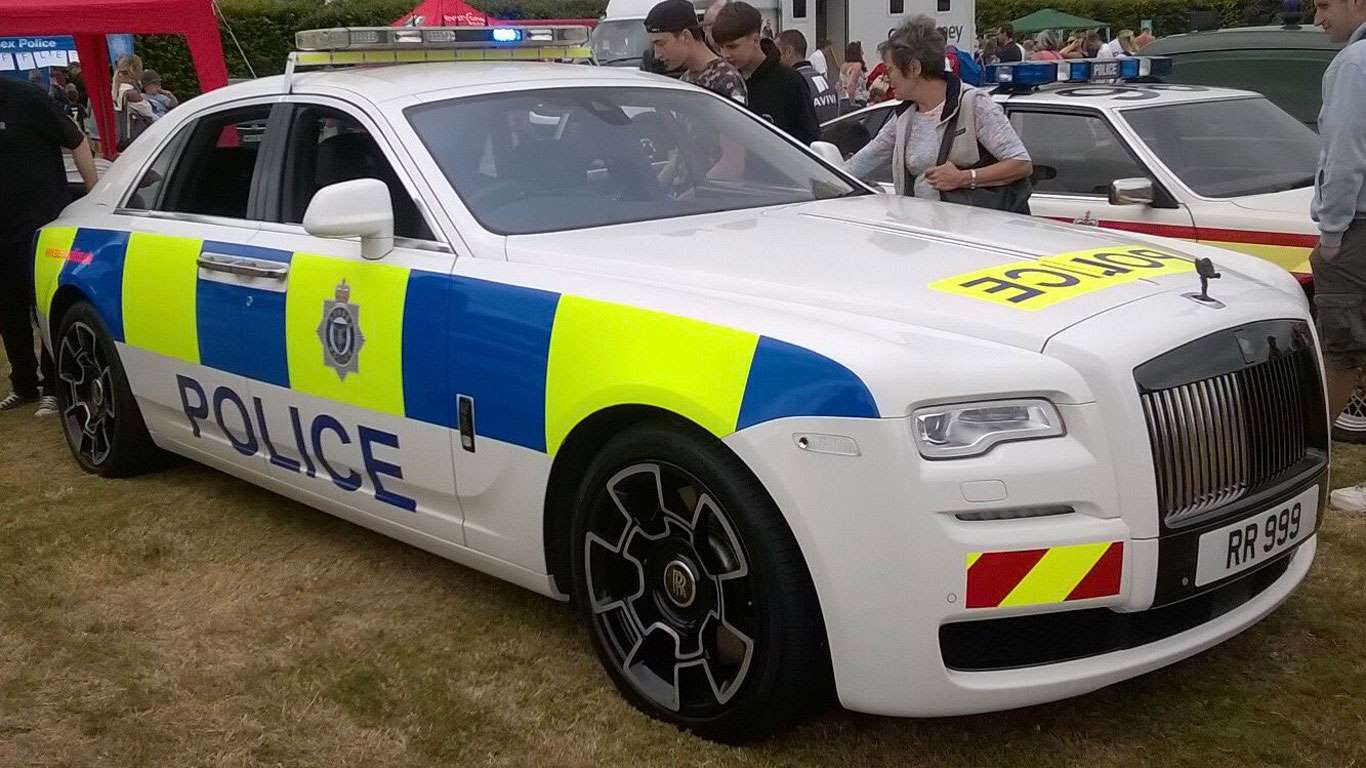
{"x":889,"y":560}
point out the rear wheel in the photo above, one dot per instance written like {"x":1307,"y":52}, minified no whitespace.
{"x":693,"y":591}
{"x":102,"y":423}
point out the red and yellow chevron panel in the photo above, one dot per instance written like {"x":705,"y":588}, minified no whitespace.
{"x":1044,"y":576}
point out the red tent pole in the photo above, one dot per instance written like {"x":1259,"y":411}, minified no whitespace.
{"x":206,"y":50}
{"x":94,"y":53}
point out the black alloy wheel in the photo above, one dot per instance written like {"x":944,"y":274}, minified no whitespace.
{"x":693,"y":590}
{"x":99,"y":416}
{"x":670,"y":586}
{"x":88,"y":410}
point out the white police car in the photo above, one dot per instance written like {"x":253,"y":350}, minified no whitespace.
{"x":769,"y":430}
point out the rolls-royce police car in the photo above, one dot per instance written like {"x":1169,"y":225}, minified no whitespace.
{"x":770,"y":431}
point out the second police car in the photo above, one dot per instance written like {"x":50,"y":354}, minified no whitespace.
{"x":770,"y":431}
{"x":1214,"y":165}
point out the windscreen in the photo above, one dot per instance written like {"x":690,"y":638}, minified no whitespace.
{"x":619,"y":42}
{"x":525,"y":162}
{"x":1230,"y":148}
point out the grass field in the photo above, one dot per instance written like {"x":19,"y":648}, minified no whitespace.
{"x":189,"y":619}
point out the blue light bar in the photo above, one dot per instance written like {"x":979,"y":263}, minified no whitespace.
{"x":507,"y":35}
{"x":1031,"y":74}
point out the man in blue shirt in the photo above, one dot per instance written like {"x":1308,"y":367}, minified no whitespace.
{"x":1339,"y":260}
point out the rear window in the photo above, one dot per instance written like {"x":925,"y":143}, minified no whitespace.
{"x":1230,"y":148}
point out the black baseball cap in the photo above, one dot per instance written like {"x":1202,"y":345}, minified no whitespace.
{"x":672,"y":16}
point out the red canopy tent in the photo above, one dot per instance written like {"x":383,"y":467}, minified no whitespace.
{"x":443,"y":13}
{"x":88,"y":21}
{"x":458,"y":13}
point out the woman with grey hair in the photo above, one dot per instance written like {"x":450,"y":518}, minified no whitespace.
{"x":982,"y":155}
{"x":1046,"y":47}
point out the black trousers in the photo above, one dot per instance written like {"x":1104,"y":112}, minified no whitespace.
{"x":16,"y":320}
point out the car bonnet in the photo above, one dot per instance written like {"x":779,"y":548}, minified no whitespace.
{"x":1011,"y":279}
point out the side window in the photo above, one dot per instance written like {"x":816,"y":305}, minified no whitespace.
{"x":327,"y":146}
{"x":209,"y":169}
{"x":1083,"y":149}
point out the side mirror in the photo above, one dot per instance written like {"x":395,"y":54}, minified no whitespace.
{"x":1131,"y":192}
{"x":829,"y":153}
{"x":359,"y":208}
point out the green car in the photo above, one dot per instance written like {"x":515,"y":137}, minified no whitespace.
{"x":1284,"y":63}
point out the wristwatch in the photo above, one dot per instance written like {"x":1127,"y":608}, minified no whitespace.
{"x":972,"y":176}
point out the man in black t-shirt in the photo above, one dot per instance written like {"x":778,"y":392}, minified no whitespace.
{"x":776,"y":92}
{"x":33,"y":132}
{"x":1007,"y":49}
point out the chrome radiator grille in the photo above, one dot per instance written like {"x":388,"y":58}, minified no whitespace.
{"x":1220,"y":438}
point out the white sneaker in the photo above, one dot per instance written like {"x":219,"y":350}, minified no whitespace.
{"x":47,"y":406}
{"x":1349,"y":499}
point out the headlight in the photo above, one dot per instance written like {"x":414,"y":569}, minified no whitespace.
{"x":971,"y":429}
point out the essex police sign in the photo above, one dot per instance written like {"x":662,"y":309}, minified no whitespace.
{"x":36,"y":44}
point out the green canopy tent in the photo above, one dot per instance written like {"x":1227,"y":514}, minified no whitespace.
{"x":1049,"y":18}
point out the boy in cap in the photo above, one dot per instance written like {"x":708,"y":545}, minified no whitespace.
{"x":676,"y":40}
{"x":162,"y":100}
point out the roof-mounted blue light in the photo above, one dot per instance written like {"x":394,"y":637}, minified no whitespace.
{"x":507,"y":35}
{"x":1031,"y":74}
{"x":1025,"y":73}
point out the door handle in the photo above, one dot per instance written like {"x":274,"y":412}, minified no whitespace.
{"x":233,"y":265}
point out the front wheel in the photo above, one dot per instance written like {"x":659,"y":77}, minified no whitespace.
{"x":693,"y":590}
{"x":1350,"y":426}
{"x":102,"y":423}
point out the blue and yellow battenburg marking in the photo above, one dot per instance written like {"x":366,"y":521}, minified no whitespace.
{"x":536,"y":362}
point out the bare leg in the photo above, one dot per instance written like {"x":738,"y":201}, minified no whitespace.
{"x":1341,"y":382}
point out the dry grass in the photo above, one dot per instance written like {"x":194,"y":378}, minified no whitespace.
{"x":188,"y":619}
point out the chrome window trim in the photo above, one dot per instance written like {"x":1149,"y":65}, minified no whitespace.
{"x":193,"y":218}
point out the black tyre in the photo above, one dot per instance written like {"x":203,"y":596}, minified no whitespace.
{"x":102,"y":423}
{"x":1350,"y":426}
{"x":692,"y":588}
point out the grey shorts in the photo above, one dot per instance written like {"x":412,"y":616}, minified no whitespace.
{"x":1340,"y":301}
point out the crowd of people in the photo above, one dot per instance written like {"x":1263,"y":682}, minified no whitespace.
{"x":1002,"y":47}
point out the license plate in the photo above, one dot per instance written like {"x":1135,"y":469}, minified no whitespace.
{"x":1239,"y":546}
{"x":1105,"y":69}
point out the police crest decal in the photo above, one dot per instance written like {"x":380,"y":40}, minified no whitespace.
{"x":340,"y":333}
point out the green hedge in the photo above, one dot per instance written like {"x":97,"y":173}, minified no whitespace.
{"x":265,"y":28}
